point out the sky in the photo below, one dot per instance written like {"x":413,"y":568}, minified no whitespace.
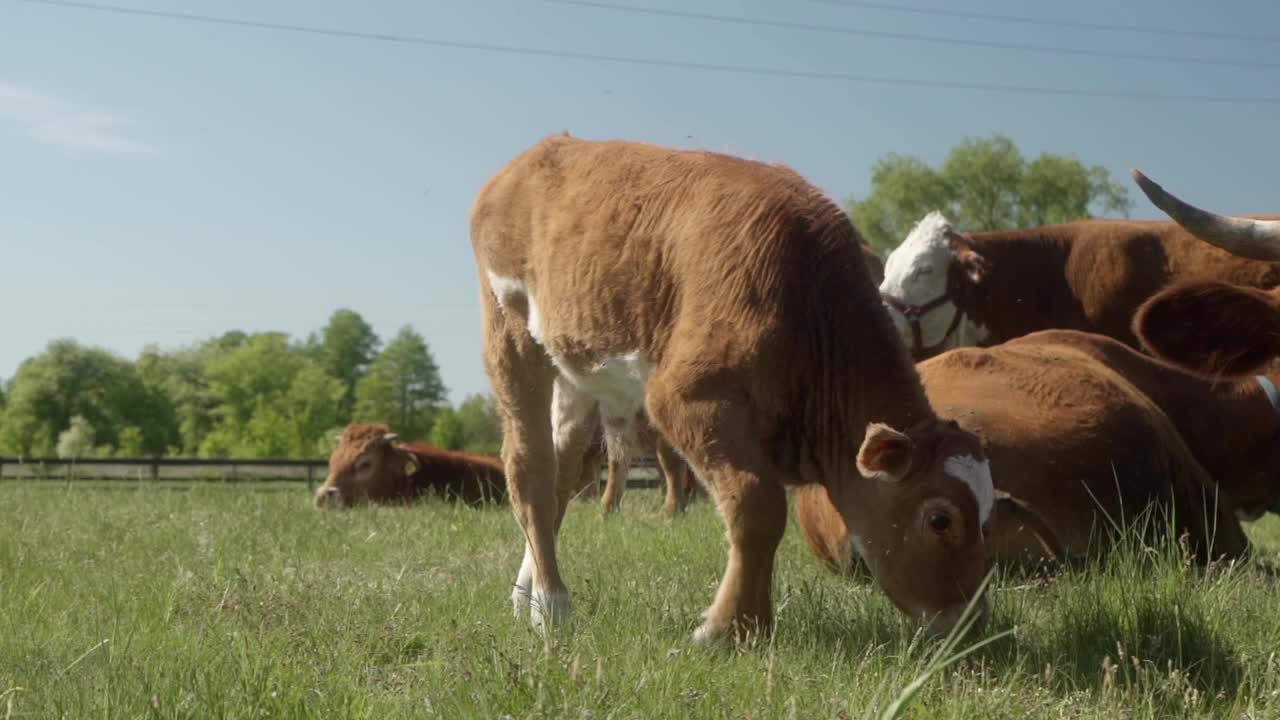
{"x":163,"y":181}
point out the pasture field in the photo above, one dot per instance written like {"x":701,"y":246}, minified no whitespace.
{"x":155,"y":601}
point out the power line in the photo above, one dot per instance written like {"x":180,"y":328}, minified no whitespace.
{"x":937,"y":39}
{"x":1051,"y":22}
{"x":657,"y":62}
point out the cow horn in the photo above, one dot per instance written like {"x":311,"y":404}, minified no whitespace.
{"x":390,"y":437}
{"x":1033,"y":522}
{"x":1245,"y":237}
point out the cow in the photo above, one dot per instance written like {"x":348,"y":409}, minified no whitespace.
{"x":1214,"y":328}
{"x":1086,"y":432}
{"x":948,"y":289}
{"x":369,"y":465}
{"x":875,"y":266}
{"x":623,"y":439}
{"x":731,"y":302}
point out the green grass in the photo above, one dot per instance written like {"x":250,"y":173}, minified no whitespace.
{"x":229,"y":602}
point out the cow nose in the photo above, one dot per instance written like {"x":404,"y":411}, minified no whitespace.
{"x":329,"y":497}
{"x":947,"y":620}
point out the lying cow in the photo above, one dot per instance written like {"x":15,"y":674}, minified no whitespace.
{"x":947,"y":289}
{"x":731,"y":301}
{"x":1214,"y":327}
{"x":368,"y":465}
{"x":1084,"y":432}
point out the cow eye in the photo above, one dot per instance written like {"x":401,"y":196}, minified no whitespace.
{"x":363,"y":464}
{"x":940,"y":522}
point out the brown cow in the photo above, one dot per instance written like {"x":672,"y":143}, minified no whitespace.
{"x":368,"y":465}
{"x":623,"y":439}
{"x":1214,"y":327}
{"x":947,"y":289}
{"x":1086,"y":431}
{"x":730,"y":301}
{"x":875,"y":266}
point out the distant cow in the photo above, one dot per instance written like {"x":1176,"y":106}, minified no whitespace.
{"x":368,"y":465}
{"x":1076,"y":430}
{"x":947,"y":289}
{"x":731,"y":301}
{"x":1214,"y":327}
{"x":621,"y":441}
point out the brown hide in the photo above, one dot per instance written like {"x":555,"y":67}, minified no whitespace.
{"x":1075,"y":439}
{"x":369,"y":466}
{"x":731,"y":300}
{"x":875,"y":266}
{"x":1090,"y":275}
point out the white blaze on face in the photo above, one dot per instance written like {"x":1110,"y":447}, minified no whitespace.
{"x":977,"y":475}
{"x":916,"y":273}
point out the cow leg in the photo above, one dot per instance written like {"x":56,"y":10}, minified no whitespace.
{"x":574,"y":418}
{"x":618,"y":450}
{"x":673,"y":468}
{"x":718,"y":442}
{"x":523,"y":379}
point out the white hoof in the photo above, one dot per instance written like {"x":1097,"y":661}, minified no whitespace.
{"x":549,"y":609}
{"x":523,"y":585}
{"x":707,"y":633}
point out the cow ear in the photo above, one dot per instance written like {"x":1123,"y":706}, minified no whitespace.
{"x":967,"y":256}
{"x":886,"y":454}
{"x":1211,"y":328}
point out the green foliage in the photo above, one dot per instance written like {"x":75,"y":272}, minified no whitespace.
{"x":77,"y":440}
{"x":226,"y":602}
{"x":447,"y":431}
{"x":348,"y":346}
{"x":481,"y":429}
{"x":984,"y":184}
{"x":403,"y":386}
{"x":69,"y":379}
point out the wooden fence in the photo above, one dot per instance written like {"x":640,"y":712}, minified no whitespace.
{"x":227,"y":470}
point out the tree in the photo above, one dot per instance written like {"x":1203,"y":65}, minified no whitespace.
{"x":984,"y":184}
{"x":348,"y":346}
{"x":77,"y":440}
{"x":271,"y":400}
{"x":69,"y":379}
{"x":481,"y":430}
{"x":447,"y":431}
{"x":403,"y":386}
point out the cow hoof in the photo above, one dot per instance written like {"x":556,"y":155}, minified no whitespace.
{"x":549,"y":609}
{"x":709,"y":633}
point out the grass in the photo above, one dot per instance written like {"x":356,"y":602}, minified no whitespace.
{"x":228,"y":602}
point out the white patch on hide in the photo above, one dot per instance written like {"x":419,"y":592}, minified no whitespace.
{"x":505,"y":287}
{"x":617,"y":382}
{"x":977,"y":475}
{"x":569,"y":407}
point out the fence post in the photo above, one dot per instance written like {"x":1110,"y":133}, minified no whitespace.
{"x":311,"y":477}
{"x":155,"y":469}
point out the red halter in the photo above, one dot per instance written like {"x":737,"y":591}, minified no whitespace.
{"x":913,"y":313}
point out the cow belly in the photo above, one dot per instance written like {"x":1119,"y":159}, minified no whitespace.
{"x":617,"y":383}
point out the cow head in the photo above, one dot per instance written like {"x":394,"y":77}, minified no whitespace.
{"x":917,"y":517}
{"x":927,"y":543}
{"x":366,"y":466}
{"x":926,"y":281}
{"x":1213,"y":328}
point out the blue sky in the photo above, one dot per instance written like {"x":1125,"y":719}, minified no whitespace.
{"x":164,"y":181}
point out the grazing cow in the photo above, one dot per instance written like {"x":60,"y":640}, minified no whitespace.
{"x":368,"y":465}
{"x":1084,"y":431}
{"x":729,"y":300}
{"x":1214,"y":327}
{"x":947,"y":289}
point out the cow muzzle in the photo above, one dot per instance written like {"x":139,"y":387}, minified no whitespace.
{"x":946,"y":621}
{"x":328,"y":497}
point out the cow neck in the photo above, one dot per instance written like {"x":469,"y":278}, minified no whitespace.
{"x":1027,"y":285}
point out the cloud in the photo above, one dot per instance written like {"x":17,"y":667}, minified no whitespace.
{"x":62,"y":123}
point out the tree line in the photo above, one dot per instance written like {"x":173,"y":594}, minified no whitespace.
{"x":246,"y":395}
{"x":264,"y":395}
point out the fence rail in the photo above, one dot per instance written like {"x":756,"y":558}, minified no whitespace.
{"x":208,"y":470}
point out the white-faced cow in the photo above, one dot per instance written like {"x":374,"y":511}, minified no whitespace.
{"x":369,"y":465}
{"x":1086,"y":433}
{"x":1214,"y":328}
{"x":947,"y":289}
{"x":731,"y":301}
